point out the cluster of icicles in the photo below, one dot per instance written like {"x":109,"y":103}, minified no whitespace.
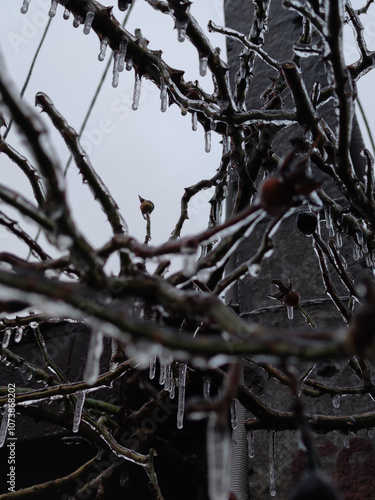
{"x":121,"y":62}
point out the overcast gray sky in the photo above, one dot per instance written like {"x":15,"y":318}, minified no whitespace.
{"x":142,"y":152}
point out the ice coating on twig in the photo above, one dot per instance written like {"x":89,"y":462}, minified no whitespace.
{"x":19,"y":334}
{"x":81,"y":396}
{"x":92,"y":367}
{"x":4,"y":426}
{"x":88,"y":22}
{"x":218,"y":456}
{"x":182,"y":369}
{"x":25,"y":6}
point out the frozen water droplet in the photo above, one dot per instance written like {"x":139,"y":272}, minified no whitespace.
{"x":233,"y":415}
{"x":103,"y":48}
{"x":272,"y":459}
{"x":336,"y":401}
{"x":254,"y":270}
{"x":339,"y":239}
{"x":181,"y":30}
{"x":371,"y":433}
{"x":207,"y":389}
{"x":29,"y":376}
{"x":136,"y":93}
{"x":81,"y":396}
{"x":25,"y":6}
{"x":33,"y":325}
{"x":203,"y":64}
{"x":92,"y":366}
{"x":152,"y":370}
{"x":88,"y":22}
{"x":163,"y":98}
{"x":129,"y":64}
{"x":290,"y":312}
{"x":182,"y":369}
{"x":346,"y":440}
{"x":66,"y":14}
{"x":218,"y":457}
{"x":207,"y":141}
{"x":19,"y":333}
{"x":52,"y":10}
{"x":6,"y":337}
{"x":4,"y":426}
{"x":77,"y":21}
{"x":250,"y":444}
{"x":194,"y":121}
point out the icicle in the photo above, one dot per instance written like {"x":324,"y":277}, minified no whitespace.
{"x":121,"y":61}
{"x":203,"y":63}
{"x":339,"y":239}
{"x":371,"y":433}
{"x":88,"y":22}
{"x":129,"y":64}
{"x":345,"y":440}
{"x":152,"y":367}
{"x":194,"y":121}
{"x":357,"y":252}
{"x":25,"y":6}
{"x":181,"y":30}
{"x":168,"y":377}
{"x":182,"y":368}
{"x":137,"y":92}
{"x":233,"y":415}
{"x":52,"y":10}
{"x":207,"y":389}
{"x":4,"y":426}
{"x":336,"y":400}
{"x":19,"y":333}
{"x":77,"y":21}
{"x":290,"y":312}
{"x":116,"y":58}
{"x":66,"y":14}
{"x":218,"y":456}
{"x":172,"y":388}
{"x":103,"y":48}
{"x":272,"y":459}
{"x":162,"y":375}
{"x":92,"y":367}
{"x":207,"y":141}
{"x":163,"y":98}
{"x":81,"y":396}
{"x":6,"y":337}
{"x":250,"y":444}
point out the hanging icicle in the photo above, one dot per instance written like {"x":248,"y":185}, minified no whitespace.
{"x":181,"y":30}
{"x":163,"y":98}
{"x":194,"y":121}
{"x":203,"y":64}
{"x":4,"y":426}
{"x":233,"y":415}
{"x":250,"y":444}
{"x":207,"y":141}
{"x":152,"y":370}
{"x":116,"y":73}
{"x":129,"y":64}
{"x":218,"y":457}
{"x":207,"y":389}
{"x":92,"y":367}
{"x":19,"y":334}
{"x":66,"y":14}
{"x":345,"y":440}
{"x":77,"y":21}
{"x":103,"y":48}
{"x":53,"y":8}
{"x":172,"y":387}
{"x":88,"y":22}
{"x":336,"y":400}
{"x":121,"y":60}
{"x":272,"y":461}
{"x":137,"y":92}
{"x":25,"y":6}
{"x":81,"y":396}
{"x":6,"y":337}
{"x":182,"y":369}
